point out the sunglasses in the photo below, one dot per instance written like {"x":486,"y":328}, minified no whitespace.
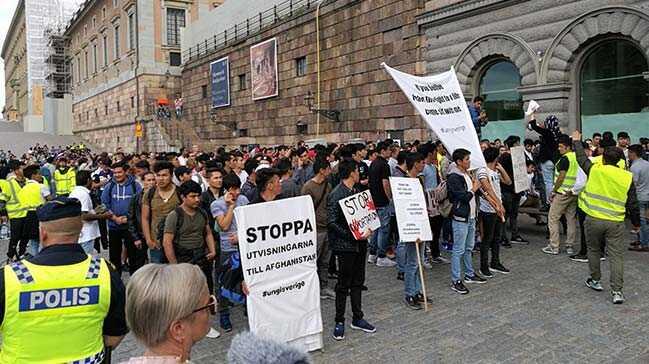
{"x":211,"y":305}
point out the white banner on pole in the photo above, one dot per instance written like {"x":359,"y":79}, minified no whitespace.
{"x":360,"y":213}
{"x":277,"y":241}
{"x":521,"y":182}
{"x":410,"y":209}
{"x":439,"y":100}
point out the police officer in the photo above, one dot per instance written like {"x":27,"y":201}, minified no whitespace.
{"x":16,"y":212}
{"x":608,"y":196}
{"x":64,"y":177}
{"x":61,"y":305}
{"x":33,"y":196}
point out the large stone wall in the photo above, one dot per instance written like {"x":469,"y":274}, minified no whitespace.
{"x":356,"y":36}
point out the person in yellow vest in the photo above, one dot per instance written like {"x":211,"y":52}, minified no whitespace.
{"x":33,"y":196}
{"x":64,"y":177}
{"x":608,"y":143}
{"x":61,"y":305}
{"x":563,"y":200}
{"x":608,"y":196}
{"x":16,"y":212}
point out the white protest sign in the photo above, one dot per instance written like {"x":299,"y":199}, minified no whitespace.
{"x":521,"y":182}
{"x":277,"y":241}
{"x":439,"y":100}
{"x":410,"y":209}
{"x":360,"y":213}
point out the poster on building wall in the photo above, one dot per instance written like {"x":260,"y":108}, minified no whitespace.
{"x":220,"y":78}
{"x":263,"y":69}
{"x":440,"y":102}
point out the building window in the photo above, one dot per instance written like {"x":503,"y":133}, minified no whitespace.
{"x":72,"y":69}
{"x":242,"y":82}
{"x":175,"y":20}
{"x":103,"y":12}
{"x":118,"y":108}
{"x":115,"y":3}
{"x":174,"y":58}
{"x":300,"y":66}
{"x":498,"y":87}
{"x":87,"y":115}
{"x":131,"y":29}
{"x":614,"y":93}
{"x":86,"y":66}
{"x":94,"y":57}
{"x":133,"y":102}
{"x":116,"y":43}
{"x":106,"y":109}
{"x":204,"y":91}
{"x":104,"y":45}
{"x":85,"y":30}
{"x":94,"y":22}
{"x":96,"y":113}
{"x":243,"y":133}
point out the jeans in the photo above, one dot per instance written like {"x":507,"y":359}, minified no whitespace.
{"x":351,"y":277}
{"x":491,"y":225}
{"x":88,"y":246}
{"x":463,"y":242}
{"x":401,"y":257}
{"x":224,"y":303}
{"x":436,"y":227}
{"x":412,"y":283}
{"x":155,"y":255}
{"x":547,"y":168}
{"x":381,"y":237}
{"x":323,"y":258}
{"x":644,"y":223}
{"x":34,"y":247}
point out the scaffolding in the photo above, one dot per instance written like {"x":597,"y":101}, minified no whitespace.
{"x":58,"y":76}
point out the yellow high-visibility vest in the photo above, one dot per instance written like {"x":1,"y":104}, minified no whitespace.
{"x":55,"y":314}
{"x":571,"y":174}
{"x":30,"y":196}
{"x":11,"y":195}
{"x":600,"y":160}
{"x":64,"y":183}
{"x":605,"y":194}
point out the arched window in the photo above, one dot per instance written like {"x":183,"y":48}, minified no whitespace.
{"x":498,"y":86}
{"x":614,"y":93}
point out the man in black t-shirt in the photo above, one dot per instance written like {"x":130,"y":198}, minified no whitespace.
{"x":379,"y":184}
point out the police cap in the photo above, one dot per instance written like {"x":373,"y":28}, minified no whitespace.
{"x":59,"y":208}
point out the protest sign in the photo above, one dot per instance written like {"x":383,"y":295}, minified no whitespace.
{"x":410,"y":209}
{"x":521,"y":183}
{"x":439,"y":100}
{"x":277,"y":241}
{"x":360,"y":213}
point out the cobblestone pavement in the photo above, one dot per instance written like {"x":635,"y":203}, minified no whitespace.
{"x":540,"y":313}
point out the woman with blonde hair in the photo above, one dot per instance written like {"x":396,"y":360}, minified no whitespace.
{"x":168,"y":310}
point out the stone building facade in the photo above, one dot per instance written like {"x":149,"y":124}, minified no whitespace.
{"x":125,"y":62}
{"x":582,"y":60}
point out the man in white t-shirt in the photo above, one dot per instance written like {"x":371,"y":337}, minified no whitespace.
{"x":492,"y":212}
{"x":90,"y":229}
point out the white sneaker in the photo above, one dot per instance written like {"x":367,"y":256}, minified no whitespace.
{"x":385,"y":262}
{"x":213,"y":334}
{"x":371,"y":259}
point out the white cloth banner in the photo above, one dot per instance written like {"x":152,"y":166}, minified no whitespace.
{"x":439,"y":100}
{"x":410,"y":209}
{"x":277,"y":241}
{"x":519,"y":166}
{"x":360,"y":213}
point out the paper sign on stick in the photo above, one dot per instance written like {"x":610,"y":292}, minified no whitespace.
{"x":410,"y":209}
{"x":360,"y":213}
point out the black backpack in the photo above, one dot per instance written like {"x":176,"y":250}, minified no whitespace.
{"x":183,"y":255}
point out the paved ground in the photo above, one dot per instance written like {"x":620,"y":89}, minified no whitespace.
{"x":541,"y":313}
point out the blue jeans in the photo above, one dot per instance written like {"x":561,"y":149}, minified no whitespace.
{"x":412,"y":283}
{"x":547,"y":169}
{"x":401,"y":257}
{"x":381,"y":237}
{"x":644,"y":223}
{"x":463,"y":241}
{"x":88,"y":246}
{"x":155,"y":255}
{"x":34,"y":247}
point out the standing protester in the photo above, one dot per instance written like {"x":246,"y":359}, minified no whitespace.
{"x":548,"y":132}
{"x":478,"y":116}
{"x":16,"y":212}
{"x":268,"y":185}
{"x":492,"y":212}
{"x":156,"y":205}
{"x":64,"y":177}
{"x":135,"y":211}
{"x":304,"y":170}
{"x":318,"y":189}
{"x":289,"y":187}
{"x":564,"y":201}
{"x":214,"y":191}
{"x":379,"y":183}
{"x":511,"y":199}
{"x":461,"y":193}
{"x":431,"y":181}
{"x":608,"y":195}
{"x":222,"y":210}
{"x":60,"y":331}
{"x":116,"y":197}
{"x":350,"y":252}
{"x":249,"y":188}
{"x":33,"y":196}
{"x":640,"y":169}
{"x":90,"y":217}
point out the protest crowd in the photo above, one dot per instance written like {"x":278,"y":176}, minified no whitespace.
{"x":177,"y":210}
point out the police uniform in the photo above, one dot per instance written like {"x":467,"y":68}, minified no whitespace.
{"x":16,"y":212}
{"x":56,"y":307}
{"x":64,"y":182}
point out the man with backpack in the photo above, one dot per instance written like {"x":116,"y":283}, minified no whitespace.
{"x":156,"y":205}
{"x":116,"y":197}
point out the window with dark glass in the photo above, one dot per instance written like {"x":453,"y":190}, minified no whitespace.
{"x":174,"y":58}
{"x":204,"y":91}
{"x":131,"y":31}
{"x":242,"y":81}
{"x":300,"y":66}
{"x":175,"y":20}
{"x":498,"y":87}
